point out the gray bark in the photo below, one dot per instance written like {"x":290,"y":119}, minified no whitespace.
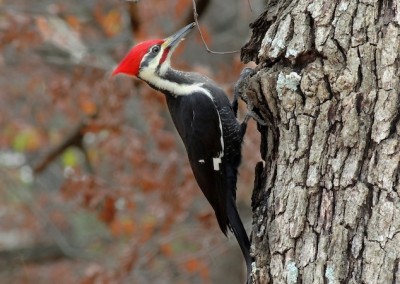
{"x":326,"y":199}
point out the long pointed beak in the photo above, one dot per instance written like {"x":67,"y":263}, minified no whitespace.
{"x":172,"y":41}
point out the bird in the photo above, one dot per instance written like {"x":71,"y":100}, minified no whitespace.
{"x":206,"y":121}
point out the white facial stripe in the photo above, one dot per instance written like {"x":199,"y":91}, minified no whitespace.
{"x":174,"y":88}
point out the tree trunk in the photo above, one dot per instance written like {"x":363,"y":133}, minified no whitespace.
{"x":326,"y":199}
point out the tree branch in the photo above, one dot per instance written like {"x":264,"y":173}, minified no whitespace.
{"x":74,"y":138}
{"x":38,"y":253}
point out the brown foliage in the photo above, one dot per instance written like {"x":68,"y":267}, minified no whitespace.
{"x":128,"y":168}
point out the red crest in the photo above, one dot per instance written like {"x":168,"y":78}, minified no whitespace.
{"x":131,"y":62}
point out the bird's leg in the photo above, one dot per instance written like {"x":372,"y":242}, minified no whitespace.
{"x":239,"y":92}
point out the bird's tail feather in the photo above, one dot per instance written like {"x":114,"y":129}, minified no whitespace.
{"x":238,"y":230}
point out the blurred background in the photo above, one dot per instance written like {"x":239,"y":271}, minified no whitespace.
{"x":95,"y":186}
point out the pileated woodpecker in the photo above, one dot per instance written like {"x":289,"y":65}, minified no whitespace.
{"x":206,"y":122}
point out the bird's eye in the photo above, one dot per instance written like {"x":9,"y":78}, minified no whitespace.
{"x":155,"y":49}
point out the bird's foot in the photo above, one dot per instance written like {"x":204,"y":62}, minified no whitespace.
{"x":243,"y":77}
{"x":252,"y":114}
{"x":240,"y":91}
{"x":240,"y":85}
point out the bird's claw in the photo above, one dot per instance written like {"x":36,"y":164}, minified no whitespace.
{"x":239,"y":90}
{"x":240,"y":85}
{"x":255,"y":116}
{"x":244,"y":75}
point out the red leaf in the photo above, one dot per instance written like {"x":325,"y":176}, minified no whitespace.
{"x":107,"y":214}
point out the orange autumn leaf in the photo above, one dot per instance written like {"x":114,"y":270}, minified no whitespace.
{"x":166,"y":249}
{"x":27,"y":139}
{"x":122,"y":227}
{"x":107,"y":214}
{"x":147,"y":230}
{"x":43,"y":25}
{"x":196,"y":266}
{"x":110,"y":22}
{"x":73,"y":22}
{"x":148,"y":182}
{"x":192,"y":265}
{"x":129,"y":227}
{"x":88,"y":107}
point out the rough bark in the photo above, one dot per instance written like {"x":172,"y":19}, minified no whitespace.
{"x":326,"y":199}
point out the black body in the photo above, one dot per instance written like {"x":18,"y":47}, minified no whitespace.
{"x":199,"y":119}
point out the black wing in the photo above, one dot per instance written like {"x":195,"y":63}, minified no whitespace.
{"x":202,"y":139}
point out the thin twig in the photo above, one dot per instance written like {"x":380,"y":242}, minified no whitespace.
{"x":251,"y":8}
{"x":195,"y":15}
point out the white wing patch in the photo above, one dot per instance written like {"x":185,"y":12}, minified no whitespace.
{"x":216,"y":162}
{"x":201,"y":161}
